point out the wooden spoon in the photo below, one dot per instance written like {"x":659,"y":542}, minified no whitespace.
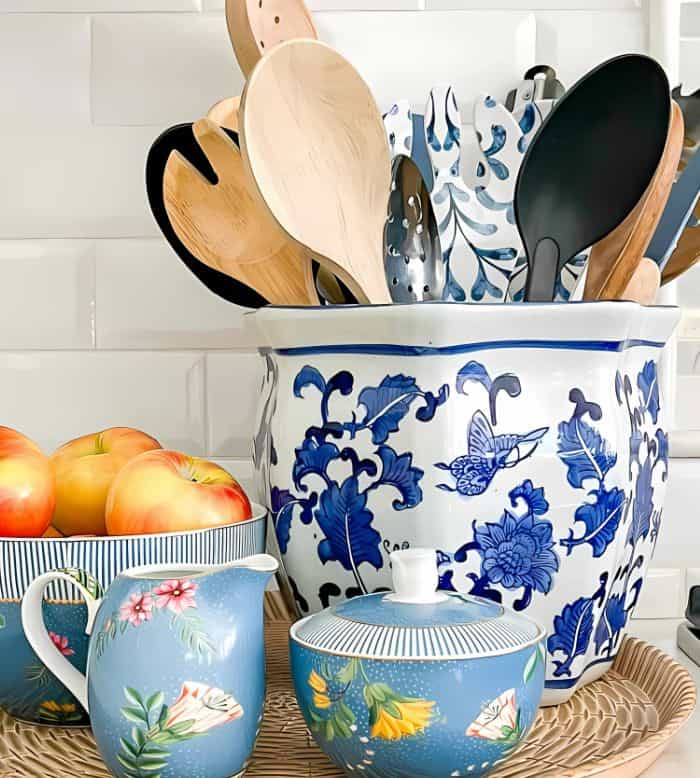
{"x":314,"y":141}
{"x":644,"y":285}
{"x":257,"y":26}
{"x":613,"y":260}
{"x":225,"y":113}
{"x":227,"y":227}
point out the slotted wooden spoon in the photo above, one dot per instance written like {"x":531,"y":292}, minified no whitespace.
{"x":257,"y":26}
{"x":314,"y":140}
{"x":228,"y":228}
{"x":613,"y":260}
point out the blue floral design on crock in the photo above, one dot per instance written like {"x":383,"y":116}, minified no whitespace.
{"x":589,"y":458}
{"x":488,"y":453}
{"x":573,"y":629}
{"x":517,"y":551}
{"x":341,"y":507}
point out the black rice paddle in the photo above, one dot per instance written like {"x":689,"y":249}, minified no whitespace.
{"x":589,"y":164}
{"x":181,"y":138}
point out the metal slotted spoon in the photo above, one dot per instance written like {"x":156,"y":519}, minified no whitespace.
{"x":413,"y":262}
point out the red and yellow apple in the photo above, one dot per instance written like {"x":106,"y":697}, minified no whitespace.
{"x":84,"y":470}
{"x":27,"y":494}
{"x":165,"y":491}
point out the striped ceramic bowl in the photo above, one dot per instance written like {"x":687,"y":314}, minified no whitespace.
{"x":27,"y":690}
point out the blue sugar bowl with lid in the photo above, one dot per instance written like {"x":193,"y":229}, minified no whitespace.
{"x":418,"y":682}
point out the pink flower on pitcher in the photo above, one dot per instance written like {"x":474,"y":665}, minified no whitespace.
{"x":176,"y":594}
{"x":61,"y":643}
{"x":205,"y":706}
{"x":137,"y":609}
{"x":498,"y":721}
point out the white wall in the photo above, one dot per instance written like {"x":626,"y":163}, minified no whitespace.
{"x":100,"y":323}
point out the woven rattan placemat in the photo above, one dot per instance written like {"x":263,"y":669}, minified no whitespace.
{"x":614,"y":727}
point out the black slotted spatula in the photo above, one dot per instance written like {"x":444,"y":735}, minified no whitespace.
{"x":589,"y":164}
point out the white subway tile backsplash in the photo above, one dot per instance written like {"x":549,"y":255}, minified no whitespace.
{"x":366,"y":5}
{"x":97,"y":6}
{"x":575,"y":41}
{"x":233,"y":383}
{"x":160,"y":69}
{"x":148,"y":299}
{"x":688,"y":402}
{"x":74,"y":183}
{"x":56,"y":396}
{"x":45,"y":66}
{"x":690,"y":64}
{"x":101,"y":324}
{"x":574,"y":5}
{"x":242,"y":471}
{"x":403,"y":55}
{"x":662,"y":594}
{"x":47,"y":294}
{"x":690,"y":19}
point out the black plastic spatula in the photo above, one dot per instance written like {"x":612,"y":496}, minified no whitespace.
{"x":181,"y":138}
{"x":589,"y":164}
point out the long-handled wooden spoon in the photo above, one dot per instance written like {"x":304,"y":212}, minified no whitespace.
{"x":228,"y":228}
{"x":314,"y":140}
{"x":613,"y":260}
{"x":644,"y":285}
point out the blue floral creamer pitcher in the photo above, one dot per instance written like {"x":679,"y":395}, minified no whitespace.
{"x":176,"y":653}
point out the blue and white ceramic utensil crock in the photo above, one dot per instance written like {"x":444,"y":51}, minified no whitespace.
{"x":526,"y":443}
{"x":418,"y":683}
{"x":175,"y":654}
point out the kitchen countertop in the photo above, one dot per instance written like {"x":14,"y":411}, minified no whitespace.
{"x":682,"y":757}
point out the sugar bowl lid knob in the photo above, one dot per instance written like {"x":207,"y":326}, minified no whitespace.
{"x":415,"y":577}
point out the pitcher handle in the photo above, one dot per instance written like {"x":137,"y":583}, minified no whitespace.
{"x":38,"y":636}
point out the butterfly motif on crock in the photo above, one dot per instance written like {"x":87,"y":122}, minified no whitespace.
{"x":157,"y":727}
{"x":476,"y":226}
{"x":487,"y":454}
{"x":340,"y":507}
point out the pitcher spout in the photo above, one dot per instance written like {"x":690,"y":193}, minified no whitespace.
{"x":263,"y":564}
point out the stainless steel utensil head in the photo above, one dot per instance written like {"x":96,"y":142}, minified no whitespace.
{"x":413,"y":262}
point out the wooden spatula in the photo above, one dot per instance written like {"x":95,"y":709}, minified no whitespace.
{"x":314,"y":141}
{"x":227,"y":227}
{"x":613,"y":260}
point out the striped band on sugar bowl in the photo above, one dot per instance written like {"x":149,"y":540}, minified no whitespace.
{"x":22,"y":560}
